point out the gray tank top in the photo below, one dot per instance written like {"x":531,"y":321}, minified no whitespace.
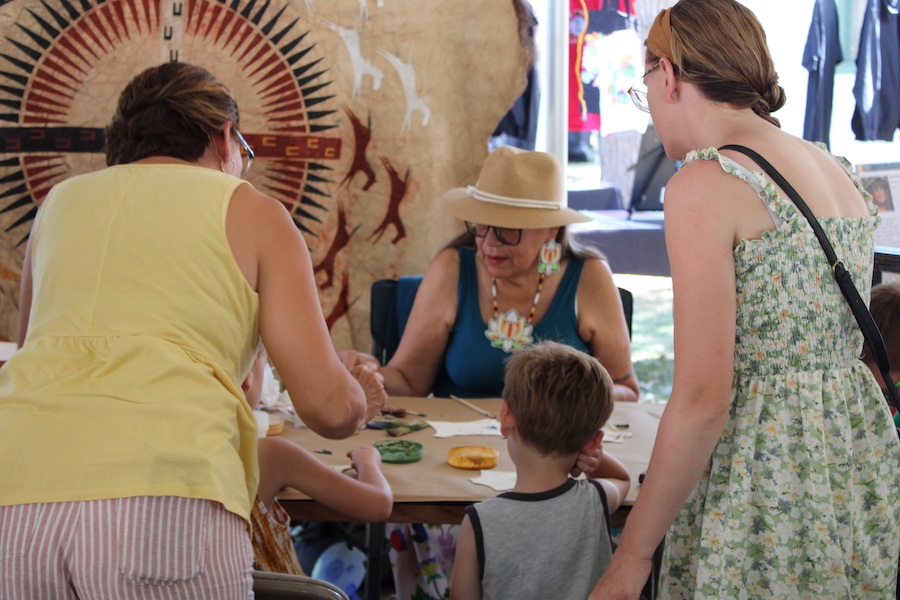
{"x":553,"y":544}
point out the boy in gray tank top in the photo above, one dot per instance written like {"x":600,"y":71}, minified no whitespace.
{"x":549,"y":536}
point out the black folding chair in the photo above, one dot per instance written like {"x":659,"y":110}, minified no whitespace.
{"x":281,"y":586}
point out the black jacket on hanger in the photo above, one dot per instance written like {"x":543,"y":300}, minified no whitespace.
{"x":822,"y":53}
{"x":518,"y":127}
{"x":877,"y":88}
{"x":520,"y":123}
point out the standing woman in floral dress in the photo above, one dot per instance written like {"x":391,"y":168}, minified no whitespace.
{"x":776,"y":469}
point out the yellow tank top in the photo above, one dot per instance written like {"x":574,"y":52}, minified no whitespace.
{"x":141,"y":331}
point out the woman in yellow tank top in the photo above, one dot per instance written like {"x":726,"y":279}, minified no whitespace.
{"x":129,"y":449}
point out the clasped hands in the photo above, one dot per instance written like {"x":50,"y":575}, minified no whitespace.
{"x":369,"y":378}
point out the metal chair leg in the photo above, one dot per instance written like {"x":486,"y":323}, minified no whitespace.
{"x":651,"y":589}
{"x":374,"y":545}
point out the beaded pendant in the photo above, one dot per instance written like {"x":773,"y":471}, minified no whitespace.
{"x":509,"y":330}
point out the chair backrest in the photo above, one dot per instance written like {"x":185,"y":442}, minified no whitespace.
{"x":280,"y":586}
{"x":627,"y":306}
{"x":392,"y":299}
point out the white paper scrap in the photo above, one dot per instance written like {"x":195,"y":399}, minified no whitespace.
{"x":614,"y":435}
{"x":499,"y":480}
{"x":444,"y":429}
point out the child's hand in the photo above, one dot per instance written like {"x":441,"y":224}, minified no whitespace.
{"x":588,"y":463}
{"x":363,"y":455}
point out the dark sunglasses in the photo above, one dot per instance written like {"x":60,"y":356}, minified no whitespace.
{"x":510,"y":237}
{"x":247,"y":154}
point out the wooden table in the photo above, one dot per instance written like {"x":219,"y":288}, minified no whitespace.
{"x":431,"y":491}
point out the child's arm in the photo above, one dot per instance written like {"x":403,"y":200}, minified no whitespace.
{"x":614,"y":478}
{"x":367,"y":462}
{"x":283,"y":463}
{"x":465,"y":582}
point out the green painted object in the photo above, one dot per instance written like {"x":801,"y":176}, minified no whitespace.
{"x":399,"y":451}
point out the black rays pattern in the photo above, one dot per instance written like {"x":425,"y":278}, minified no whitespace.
{"x":57,"y":48}
{"x":14,"y":195}
{"x":288,"y":85}
{"x":55,"y":43}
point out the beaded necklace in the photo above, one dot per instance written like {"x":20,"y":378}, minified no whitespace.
{"x":509,"y":330}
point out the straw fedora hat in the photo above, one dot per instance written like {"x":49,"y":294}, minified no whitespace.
{"x":517,"y":189}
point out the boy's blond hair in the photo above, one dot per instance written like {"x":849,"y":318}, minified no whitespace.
{"x":559,"y":396}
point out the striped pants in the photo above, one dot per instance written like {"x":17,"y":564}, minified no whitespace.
{"x":165,"y":548}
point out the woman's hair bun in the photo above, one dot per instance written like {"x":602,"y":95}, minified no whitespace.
{"x":173,"y":109}
{"x":774,"y":97}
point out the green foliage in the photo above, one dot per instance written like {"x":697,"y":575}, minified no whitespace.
{"x":652,"y":345}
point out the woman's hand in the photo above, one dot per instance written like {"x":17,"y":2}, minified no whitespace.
{"x":588,"y":463}
{"x":624,"y":579}
{"x":352,"y":358}
{"x":372,"y":383}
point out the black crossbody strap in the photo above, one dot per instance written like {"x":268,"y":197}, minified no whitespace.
{"x":841,"y":275}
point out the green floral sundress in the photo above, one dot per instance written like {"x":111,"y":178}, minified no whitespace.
{"x":801,"y":498}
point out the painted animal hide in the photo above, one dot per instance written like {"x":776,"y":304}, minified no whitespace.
{"x":361,"y":113}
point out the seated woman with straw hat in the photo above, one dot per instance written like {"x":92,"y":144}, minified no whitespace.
{"x":512,"y":278}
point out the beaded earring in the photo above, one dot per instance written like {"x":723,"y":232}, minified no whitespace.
{"x":549,"y":257}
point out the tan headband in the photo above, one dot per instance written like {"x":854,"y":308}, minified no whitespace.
{"x":659,"y":40}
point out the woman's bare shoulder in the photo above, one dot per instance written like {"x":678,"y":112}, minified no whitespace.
{"x":448,"y":257}
{"x":256,"y":206}
{"x":442,"y":278}
{"x":703,"y":187}
{"x":698,"y":175}
{"x":596,"y":272}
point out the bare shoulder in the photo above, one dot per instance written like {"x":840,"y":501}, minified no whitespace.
{"x":702,"y":188}
{"x":251,"y":208}
{"x":447,"y":260}
{"x":596,"y":271}
{"x":595,"y":286}
{"x":700,"y":178}
{"x":443,"y":273}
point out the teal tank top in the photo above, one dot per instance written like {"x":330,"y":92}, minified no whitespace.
{"x":472,"y":367}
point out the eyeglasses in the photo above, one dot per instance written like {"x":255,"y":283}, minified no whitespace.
{"x":510,"y":237}
{"x":247,"y":154}
{"x":639,"y":97}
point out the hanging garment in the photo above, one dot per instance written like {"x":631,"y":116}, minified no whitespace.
{"x":589,"y":21}
{"x":822,"y":53}
{"x":621,"y":60}
{"x":877,"y":88}
{"x":518,"y":127}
